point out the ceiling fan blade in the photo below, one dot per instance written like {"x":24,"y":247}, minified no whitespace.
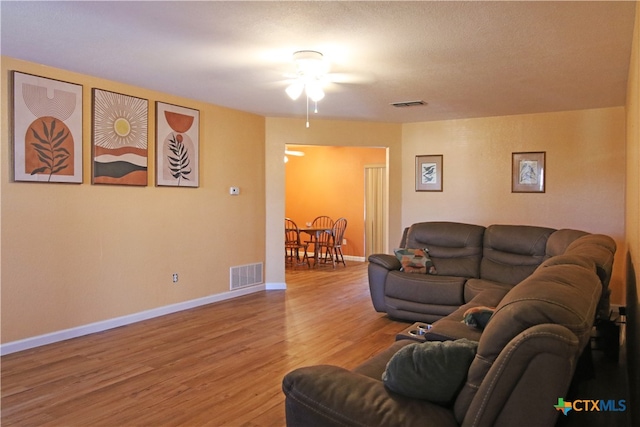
{"x":355,"y":78}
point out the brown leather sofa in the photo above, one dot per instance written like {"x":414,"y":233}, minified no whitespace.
{"x":526,"y":355}
{"x":470,"y":259}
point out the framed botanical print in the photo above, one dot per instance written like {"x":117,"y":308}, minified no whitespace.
{"x":120,"y":138}
{"x":429,"y":173}
{"x":528,"y":172}
{"x":177,"y":146}
{"x":47,"y":129}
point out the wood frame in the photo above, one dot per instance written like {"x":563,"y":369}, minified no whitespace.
{"x":429,"y":172}
{"x":177,"y":146}
{"x":46,"y":127}
{"x":120,"y":141}
{"x":528,"y":172}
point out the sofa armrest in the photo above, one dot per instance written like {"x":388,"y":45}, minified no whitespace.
{"x":512,"y":390}
{"x":332,"y":396}
{"x":390,"y":262}
{"x":379,"y":267}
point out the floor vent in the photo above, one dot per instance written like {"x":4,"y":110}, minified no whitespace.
{"x":245,"y":275}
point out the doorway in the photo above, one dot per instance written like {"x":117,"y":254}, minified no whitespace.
{"x":329,"y":180}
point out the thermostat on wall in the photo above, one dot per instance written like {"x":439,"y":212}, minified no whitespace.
{"x":234,"y":191}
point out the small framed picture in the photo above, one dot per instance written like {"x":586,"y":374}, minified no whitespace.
{"x":528,"y":171}
{"x":429,"y":173}
{"x":177,"y":146}
{"x":47,"y":129}
{"x":119,"y":138}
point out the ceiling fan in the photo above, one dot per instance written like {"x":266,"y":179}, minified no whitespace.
{"x":312,"y":77}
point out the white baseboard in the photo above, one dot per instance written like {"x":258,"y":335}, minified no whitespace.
{"x":91,"y":328}
{"x":27,"y":343}
{"x":346,"y":257}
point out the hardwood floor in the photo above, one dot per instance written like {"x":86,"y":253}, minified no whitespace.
{"x":221,"y":364}
{"x":216,"y":365}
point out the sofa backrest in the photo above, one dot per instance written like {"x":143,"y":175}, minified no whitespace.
{"x":512,"y":252}
{"x":559,"y":241}
{"x":598,"y":247}
{"x":601,"y":249}
{"x":564,"y":292}
{"x":455,"y":248}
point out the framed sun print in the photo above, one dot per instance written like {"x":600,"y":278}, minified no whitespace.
{"x":528,"y":172}
{"x":177,"y":146}
{"x":120,"y":138}
{"x":47,"y":129}
{"x":429,"y":173}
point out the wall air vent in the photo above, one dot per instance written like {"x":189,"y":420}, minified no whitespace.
{"x":245,"y":275}
{"x":408,"y":103}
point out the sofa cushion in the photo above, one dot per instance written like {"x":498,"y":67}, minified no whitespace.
{"x":425,"y":288}
{"x":434,"y":371}
{"x":452,"y":327}
{"x":415,"y":260}
{"x":512,"y":252}
{"x":455,"y":248}
{"x":474,"y":287}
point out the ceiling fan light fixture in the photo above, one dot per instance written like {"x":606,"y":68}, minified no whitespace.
{"x":314,"y":91}
{"x":311,"y":70}
{"x":294,"y":90}
{"x":310,"y":62}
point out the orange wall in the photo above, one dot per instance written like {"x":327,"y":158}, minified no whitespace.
{"x":330,"y":181}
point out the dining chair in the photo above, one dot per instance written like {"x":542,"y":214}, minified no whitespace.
{"x":293,"y":246}
{"x":333,"y":245}
{"x":322,"y":221}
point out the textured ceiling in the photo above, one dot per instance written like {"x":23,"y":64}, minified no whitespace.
{"x":465,"y":59}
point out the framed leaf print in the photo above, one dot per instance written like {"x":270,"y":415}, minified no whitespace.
{"x":120,"y":138}
{"x":177,"y":145}
{"x":47,"y":129}
{"x":429,"y":173}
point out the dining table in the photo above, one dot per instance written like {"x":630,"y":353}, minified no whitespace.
{"x":315,"y":233}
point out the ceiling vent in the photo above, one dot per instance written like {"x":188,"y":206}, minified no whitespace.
{"x":408,"y":103}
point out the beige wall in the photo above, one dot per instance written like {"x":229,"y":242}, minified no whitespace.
{"x":92,"y":252}
{"x":77,"y":254}
{"x":633,"y":153}
{"x":585,"y":162}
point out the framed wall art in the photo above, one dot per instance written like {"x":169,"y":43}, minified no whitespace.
{"x":177,"y":145}
{"x":47,"y":129}
{"x":528,"y":170}
{"x":120,"y":138}
{"x":429,"y":173}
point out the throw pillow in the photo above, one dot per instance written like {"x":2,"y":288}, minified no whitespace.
{"x":478,"y":317}
{"x":415,"y":260}
{"x":433,"y":370}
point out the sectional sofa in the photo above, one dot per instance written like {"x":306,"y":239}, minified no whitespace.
{"x":545,"y":288}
